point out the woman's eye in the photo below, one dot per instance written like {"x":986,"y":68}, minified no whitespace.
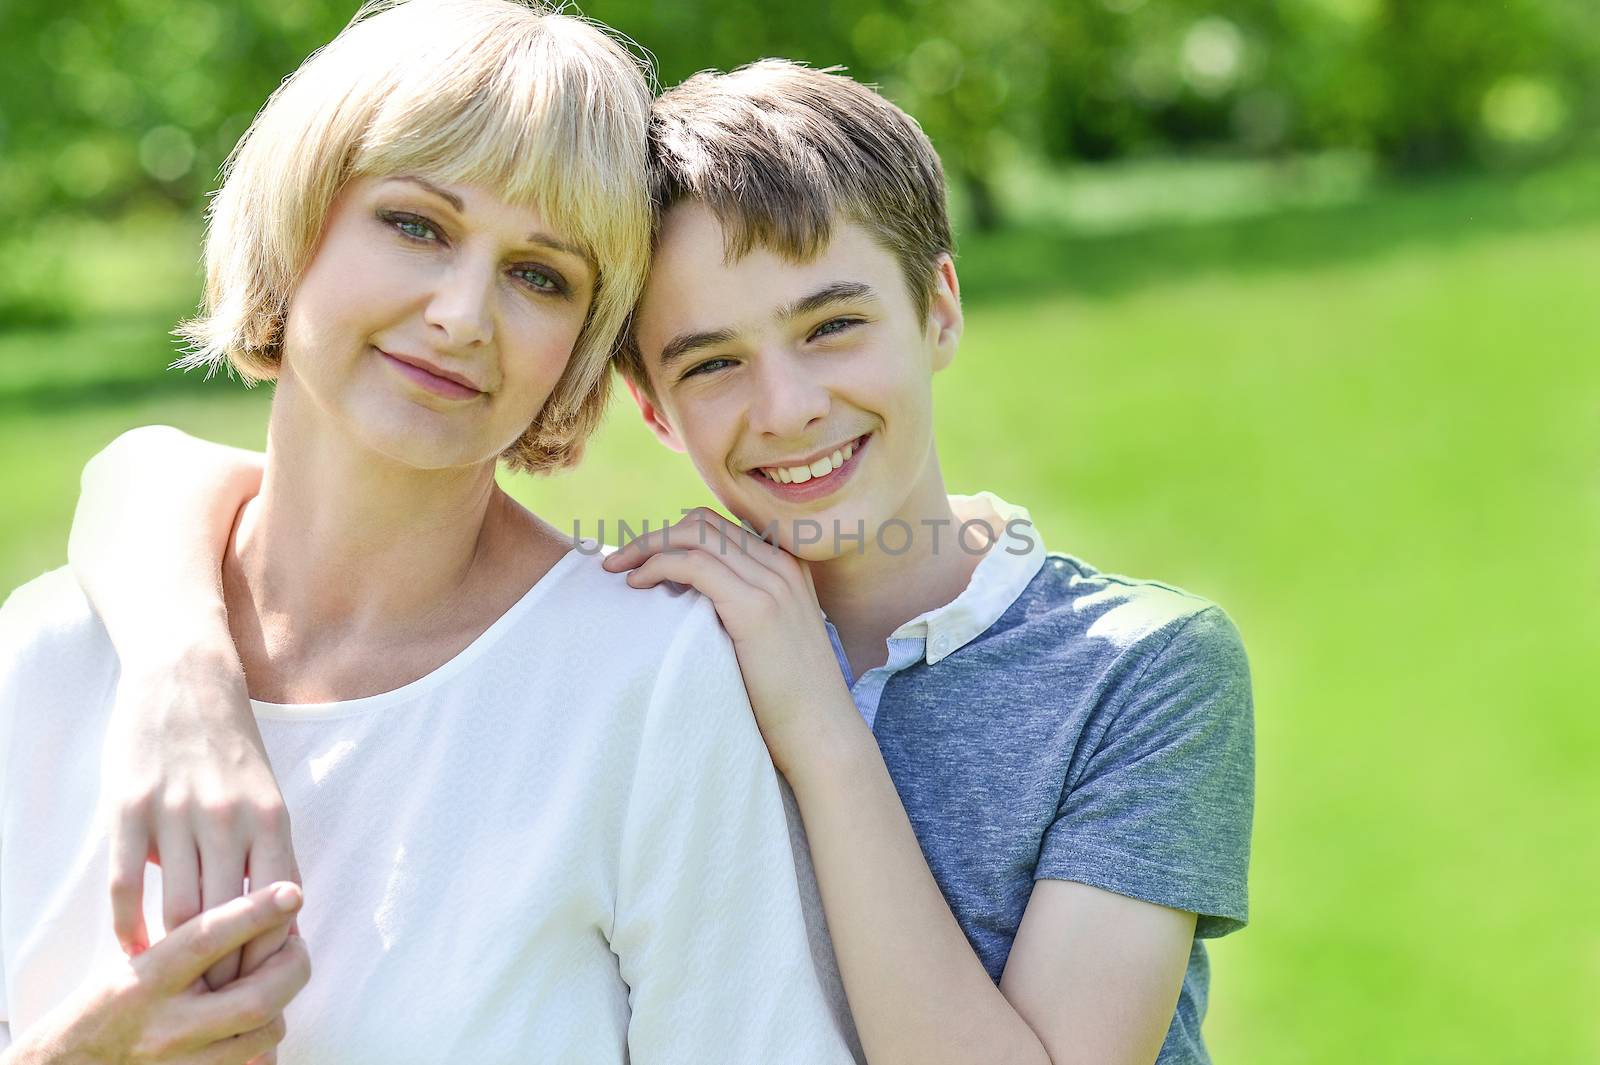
{"x":542,"y":280}
{"x":834,"y":326}
{"x":411,"y":225}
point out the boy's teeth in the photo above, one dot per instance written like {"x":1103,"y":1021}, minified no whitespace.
{"x":820,"y":468}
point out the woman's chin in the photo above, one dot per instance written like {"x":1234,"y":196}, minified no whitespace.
{"x":423,"y":448}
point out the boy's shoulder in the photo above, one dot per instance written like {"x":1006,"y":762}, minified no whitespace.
{"x":1074,"y":610}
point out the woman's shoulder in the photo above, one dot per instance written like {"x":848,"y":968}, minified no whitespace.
{"x":57,"y":666}
{"x":594,"y":611}
{"x":643,"y":658}
{"x":50,"y":615}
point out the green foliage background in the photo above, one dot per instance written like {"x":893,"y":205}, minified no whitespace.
{"x":1291,"y":303}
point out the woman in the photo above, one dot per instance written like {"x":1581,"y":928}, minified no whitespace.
{"x":534,"y":816}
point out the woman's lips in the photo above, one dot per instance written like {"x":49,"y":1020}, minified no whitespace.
{"x":439,"y":386}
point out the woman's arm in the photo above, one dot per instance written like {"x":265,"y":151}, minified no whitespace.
{"x":151,"y":1010}
{"x":1095,"y":977}
{"x":191,"y":786}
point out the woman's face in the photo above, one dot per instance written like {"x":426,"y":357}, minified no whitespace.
{"x":434,"y":321}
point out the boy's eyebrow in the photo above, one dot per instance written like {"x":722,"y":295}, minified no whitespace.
{"x":686,"y":344}
{"x":453,"y":200}
{"x":838,"y":292}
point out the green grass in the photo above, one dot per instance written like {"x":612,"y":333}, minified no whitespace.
{"x":1364,"y":423}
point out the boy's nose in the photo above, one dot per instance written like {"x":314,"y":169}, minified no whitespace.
{"x":788,"y":399}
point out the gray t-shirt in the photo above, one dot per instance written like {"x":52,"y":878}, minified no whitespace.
{"x":1100,"y":731}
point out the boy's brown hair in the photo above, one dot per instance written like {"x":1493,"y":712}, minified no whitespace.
{"x":779,"y":152}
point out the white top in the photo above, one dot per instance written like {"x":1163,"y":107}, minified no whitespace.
{"x":566,"y":844}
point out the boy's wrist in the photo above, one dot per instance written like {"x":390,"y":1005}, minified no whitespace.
{"x":201,"y":646}
{"x":835,"y":744}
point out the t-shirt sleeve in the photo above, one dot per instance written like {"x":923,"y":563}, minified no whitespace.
{"x":709,"y":931}
{"x":1161,"y":811}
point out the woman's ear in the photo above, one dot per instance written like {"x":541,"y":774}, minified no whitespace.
{"x":653,"y":416}
{"x":945,"y":321}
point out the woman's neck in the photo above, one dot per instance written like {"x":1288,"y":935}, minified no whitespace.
{"x":346,"y":557}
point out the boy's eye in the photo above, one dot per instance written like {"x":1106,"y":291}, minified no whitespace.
{"x":710,"y":365}
{"x":833,"y":327}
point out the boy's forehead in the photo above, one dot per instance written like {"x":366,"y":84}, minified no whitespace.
{"x":694,"y":273}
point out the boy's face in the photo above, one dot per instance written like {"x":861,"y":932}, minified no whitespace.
{"x":802,"y":392}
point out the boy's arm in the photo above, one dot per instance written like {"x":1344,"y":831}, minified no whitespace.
{"x":1098,"y":975}
{"x":186,"y":777}
{"x":1161,"y":810}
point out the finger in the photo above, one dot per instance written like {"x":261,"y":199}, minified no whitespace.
{"x":187,"y":952}
{"x":180,"y":875}
{"x":130,"y":850}
{"x":690,"y":532}
{"x":221,"y":881}
{"x":700,"y":570}
{"x":271,"y":859}
{"x":630,"y":554}
{"x":256,"y":1047}
{"x":805,"y":576}
{"x":738,"y":542}
{"x":254,"y":1000}
{"x":701,"y":531}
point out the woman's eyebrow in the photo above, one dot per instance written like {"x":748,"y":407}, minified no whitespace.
{"x":546,"y":240}
{"x":444,"y":194}
{"x":557,"y":244}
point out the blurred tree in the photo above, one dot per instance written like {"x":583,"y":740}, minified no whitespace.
{"x":132,"y":100}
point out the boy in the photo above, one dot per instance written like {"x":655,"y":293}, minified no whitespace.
{"x":1027,"y":785}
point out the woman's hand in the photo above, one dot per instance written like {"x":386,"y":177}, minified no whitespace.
{"x":155,"y":1008}
{"x":186,"y":776}
{"x":188,"y":785}
{"x":768,"y":604}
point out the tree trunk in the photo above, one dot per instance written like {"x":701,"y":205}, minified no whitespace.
{"x":986,"y":214}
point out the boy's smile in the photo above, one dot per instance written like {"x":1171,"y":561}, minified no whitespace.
{"x":800,"y":390}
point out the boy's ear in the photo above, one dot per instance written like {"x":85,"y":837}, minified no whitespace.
{"x":944,"y":312}
{"x":653,"y":416}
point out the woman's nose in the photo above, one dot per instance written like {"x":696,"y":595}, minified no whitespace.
{"x":461,"y":307}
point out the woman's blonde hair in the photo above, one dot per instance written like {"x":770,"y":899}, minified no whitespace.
{"x":548,"y":110}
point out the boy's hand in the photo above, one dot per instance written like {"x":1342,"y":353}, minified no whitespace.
{"x":155,"y":1008}
{"x":188,"y":785}
{"x":768,"y":604}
